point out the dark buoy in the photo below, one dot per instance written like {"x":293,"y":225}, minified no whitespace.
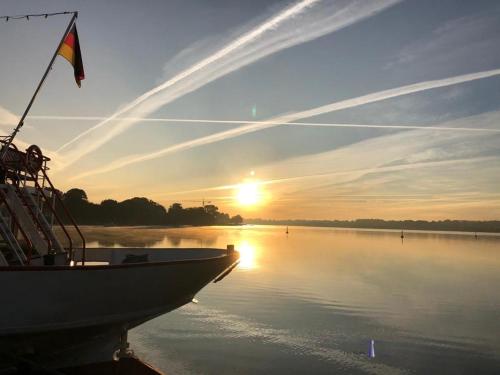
{"x":286,"y":230}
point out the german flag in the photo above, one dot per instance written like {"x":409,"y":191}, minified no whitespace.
{"x":70,"y":50}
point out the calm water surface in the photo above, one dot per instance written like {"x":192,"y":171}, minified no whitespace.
{"x":311,"y":301}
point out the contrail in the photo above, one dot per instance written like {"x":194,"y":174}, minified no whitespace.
{"x":253,"y":127}
{"x":238,"y":43}
{"x":391,"y":168}
{"x":242,"y":122}
{"x":351,"y":172}
{"x":282,"y":31}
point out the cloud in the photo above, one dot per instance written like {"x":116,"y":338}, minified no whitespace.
{"x":403,"y":148}
{"x":299,"y":23}
{"x":457,"y":41}
{"x":452,"y":170}
{"x":256,"y":126}
{"x":341,"y":176}
{"x":418,"y":173}
{"x":7,"y":118}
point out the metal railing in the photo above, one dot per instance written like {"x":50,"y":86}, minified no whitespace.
{"x":18,"y":179}
{"x":33,"y":214}
{"x":13,"y":215}
{"x":18,"y":163}
{"x":54,"y":213}
{"x":66,"y":211}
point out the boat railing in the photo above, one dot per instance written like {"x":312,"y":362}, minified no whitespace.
{"x":19,"y":193}
{"x":66,"y":211}
{"x":15,"y":176}
{"x":53,"y":211}
{"x":3,"y":198}
{"x":22,"y":168}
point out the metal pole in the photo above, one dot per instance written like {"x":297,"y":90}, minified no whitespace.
{"x":21,"y":121}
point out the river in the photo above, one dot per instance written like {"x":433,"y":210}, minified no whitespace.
{"x":311,"y":301}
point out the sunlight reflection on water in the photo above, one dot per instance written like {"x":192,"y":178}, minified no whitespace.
{"x":247,"y":255}
{"x":310,"y":302}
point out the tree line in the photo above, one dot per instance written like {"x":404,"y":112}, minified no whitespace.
{"x":492,"y":226}
{"x":141,"y":211}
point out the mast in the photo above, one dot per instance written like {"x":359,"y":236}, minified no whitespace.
{"x":10,"y":138}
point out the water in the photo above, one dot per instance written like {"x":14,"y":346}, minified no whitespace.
{"x":312,"y":301}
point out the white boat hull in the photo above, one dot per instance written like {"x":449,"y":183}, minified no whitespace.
{"x":100,"y":300}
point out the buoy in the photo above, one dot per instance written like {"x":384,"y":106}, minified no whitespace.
{"x":287,"y":230}
{"x":371,"y":349}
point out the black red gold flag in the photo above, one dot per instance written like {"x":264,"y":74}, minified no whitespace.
{"x":70,"y":50}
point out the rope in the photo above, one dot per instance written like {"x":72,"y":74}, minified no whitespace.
{"x":27,"y":16}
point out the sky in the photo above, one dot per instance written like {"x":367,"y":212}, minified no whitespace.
{"x":310,"y":109}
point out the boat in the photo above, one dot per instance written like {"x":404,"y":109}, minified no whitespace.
{"x":64,"y":304}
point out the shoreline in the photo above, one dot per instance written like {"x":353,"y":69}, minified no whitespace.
{"x":390,"y":230}
{"x":459,"y":226}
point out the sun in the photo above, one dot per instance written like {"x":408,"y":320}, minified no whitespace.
{"x":248,"y":194}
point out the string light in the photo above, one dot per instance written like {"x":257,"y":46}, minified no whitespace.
{"x":27,"y":16}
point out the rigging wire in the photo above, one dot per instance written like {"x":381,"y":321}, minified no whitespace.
{"x":27,"y":16}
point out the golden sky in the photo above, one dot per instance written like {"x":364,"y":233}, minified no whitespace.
{"x":304,"y":109}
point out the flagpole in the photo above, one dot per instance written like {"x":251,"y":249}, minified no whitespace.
{"x":11,"y":137}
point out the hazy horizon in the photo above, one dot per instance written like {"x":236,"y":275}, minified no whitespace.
{"x":340,"y":109}
{"x":250,"y":220}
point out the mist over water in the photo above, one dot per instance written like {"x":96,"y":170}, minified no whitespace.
{"x":311,"y":301}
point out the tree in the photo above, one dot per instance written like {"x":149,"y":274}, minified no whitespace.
{"x":212,"y":210}
{"x":237,"y":220}
{"x":75,"y":196}
{"x":140,"y":211}
{"x":77,"y":202}
{"x":175,"y":214}
{"x":212,"y":214}
{"x":109,"y":211}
